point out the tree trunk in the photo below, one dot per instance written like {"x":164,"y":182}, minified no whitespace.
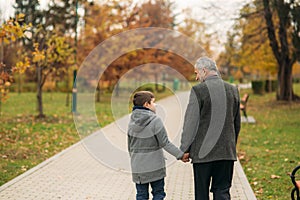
{"x":117,"y":88}
{"x":281,"y":50}
{"x":285,"y":89}
{"x":19,"y":84}
{"x":98,"y":93}
{"x":67,"y":88}
{"x":156,"y":81}
{"x":1,"y":65}
{"x":39,"y":93}
{"x":0,"y":104}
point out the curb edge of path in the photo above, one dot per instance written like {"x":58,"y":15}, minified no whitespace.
{"x":245,"y":183}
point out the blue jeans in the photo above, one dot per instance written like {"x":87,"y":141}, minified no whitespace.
{"x":157,"y":190}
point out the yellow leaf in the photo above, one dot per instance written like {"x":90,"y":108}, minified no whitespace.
{"x":20,"y":16}
{"x":7,"y":84}
{"x":6,"y":41}
{"x":13,"y":38}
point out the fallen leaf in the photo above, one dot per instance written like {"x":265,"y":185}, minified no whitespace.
{"x":24,"y":168}
{"x":10,"y":140}
{"x":274,"y":176}
{"x":260,"y":191}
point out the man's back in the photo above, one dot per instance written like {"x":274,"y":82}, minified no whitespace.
{"x":219,"y":125}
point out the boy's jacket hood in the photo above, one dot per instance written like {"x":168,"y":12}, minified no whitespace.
{"x":140,"y":118}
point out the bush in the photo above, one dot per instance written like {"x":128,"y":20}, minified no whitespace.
{"x":24,"y":87}
{"x":296,"y":80}
{"x":62,"y":87}
{"x":258,"y":87}
{"x":274,"y":85}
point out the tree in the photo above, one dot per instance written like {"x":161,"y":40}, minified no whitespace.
{"x":32,"y":15}
{"x":285,"y":45}
{"x":10,"y":31}
{"x":152,"y":14}
{"x":247,"y":50}
{"x":255,"y":51}
{"x":50,"y":58}
{"x":161,"y":14}
{"x":101,"y":22}
{"x":111,"y":17}
{"x":105,"y":20}
{"x":61,"y":16}
{"x":57,"y":20}
{"x":267,"y":41}
{"x":196,"y":30}
{"x":228,"y":59}
{"x":156,"y":13}
{"x":63,"y":19}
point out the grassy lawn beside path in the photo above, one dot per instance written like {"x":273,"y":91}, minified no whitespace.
{"x":270,"y":149}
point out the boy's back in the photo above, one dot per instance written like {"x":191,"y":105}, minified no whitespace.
{"x":146,"y":138}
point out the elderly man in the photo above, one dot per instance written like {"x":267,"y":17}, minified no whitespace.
{"x":210,"y":131}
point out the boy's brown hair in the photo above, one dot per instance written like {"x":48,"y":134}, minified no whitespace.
{"x":141,"y":97}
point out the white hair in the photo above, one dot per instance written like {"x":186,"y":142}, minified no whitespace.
{"x":205,"y":62}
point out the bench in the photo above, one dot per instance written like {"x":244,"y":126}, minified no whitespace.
{"x":296,"y":183}
{"x":243,"y":104}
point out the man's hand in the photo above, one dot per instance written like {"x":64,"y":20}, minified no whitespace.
{"x":185,"y":157}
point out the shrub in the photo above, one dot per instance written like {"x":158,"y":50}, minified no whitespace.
{"x":274,"y":85}
{"x":258,"y":87}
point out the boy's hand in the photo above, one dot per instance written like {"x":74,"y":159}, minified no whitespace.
{"x":185,"y":157}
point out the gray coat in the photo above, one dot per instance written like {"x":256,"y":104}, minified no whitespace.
{"x":147,"y":137}
{"x":212,"y":121}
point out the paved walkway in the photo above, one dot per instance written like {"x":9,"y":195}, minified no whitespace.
{"x":76,"y":173}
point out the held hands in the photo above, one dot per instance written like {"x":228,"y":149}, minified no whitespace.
{"x":186,"y":157}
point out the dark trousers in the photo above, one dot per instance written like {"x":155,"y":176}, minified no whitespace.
{"x":157,"y":190}
{"x":219,"y":174}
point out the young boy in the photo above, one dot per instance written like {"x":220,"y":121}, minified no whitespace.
{"x":146,"y":138}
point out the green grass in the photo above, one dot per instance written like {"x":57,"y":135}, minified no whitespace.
{"x":269,"y":149}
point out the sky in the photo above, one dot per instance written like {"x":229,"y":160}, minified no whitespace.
{"x":218,"y":15}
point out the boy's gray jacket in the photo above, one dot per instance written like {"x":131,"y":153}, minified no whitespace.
{"x":146,"y":138}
